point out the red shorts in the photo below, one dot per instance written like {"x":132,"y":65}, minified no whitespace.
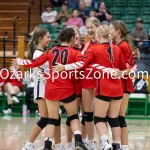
{"x":89,"y":80}
{"x":127,"y":85}
{"x":58,"y":94}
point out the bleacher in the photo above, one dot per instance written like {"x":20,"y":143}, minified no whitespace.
{"x":8,"y":10}
{"x":129,"y":10}
{"x":126,"y":10}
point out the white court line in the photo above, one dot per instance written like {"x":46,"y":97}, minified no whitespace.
{"x":43,"y":147}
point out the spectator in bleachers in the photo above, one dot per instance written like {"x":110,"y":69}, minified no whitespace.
{"x":73,"y":3}
{"x":75,"y":19}
{"x":49,"y":16}
{"x":139,"y":34}
{"x":102,"y":14}
{"x":2,"y":80}
{"x":90,"y":3}
{"x":29,"y":92}
{"x":92,"y":13}
{"x":64,"y":14}
{"x":57,"y":3}
{"x":13,"y":87}
{"x":83,"y":12}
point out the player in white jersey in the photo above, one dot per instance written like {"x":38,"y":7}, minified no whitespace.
{"x":39,"y":41}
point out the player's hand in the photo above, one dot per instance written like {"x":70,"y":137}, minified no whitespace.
{"x":115,"y":73}
{"x":137,"y":54}
{"x":128,"y":70}
{"x":14,"y":62}
{"x":59,"y":67}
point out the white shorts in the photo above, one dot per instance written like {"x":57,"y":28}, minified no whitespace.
{"x":39,"y":89}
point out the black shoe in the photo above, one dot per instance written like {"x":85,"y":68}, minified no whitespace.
{"x":80,"y":146}
{"x":47,"y":149}
{"x":116,"y":146}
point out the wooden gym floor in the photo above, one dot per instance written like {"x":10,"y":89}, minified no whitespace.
{"x":14,"y":131}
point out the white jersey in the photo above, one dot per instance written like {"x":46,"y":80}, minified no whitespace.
{"x":39,"y":83}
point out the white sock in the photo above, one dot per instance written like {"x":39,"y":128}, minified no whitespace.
{"x":69,"y":143}
{"x":29,"y":143}
{"x":117,"y":141}
{"x":84,"y":140}
{"x":91,"y":141}
{"x":104,"y":139}
{"x":76,"y":132}
{"x":58,"y":144}
{"x":124,"y":147}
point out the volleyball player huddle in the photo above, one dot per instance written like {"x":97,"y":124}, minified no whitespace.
{"x":103,"y":101}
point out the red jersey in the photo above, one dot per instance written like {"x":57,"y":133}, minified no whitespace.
{"x":88,"y":45}
{"x":103,"y":56}
{"x":89,"y":83}
{"x":57,"y":81}
{"x":78,"y":81}
{"x":14,"y":81}
{"x":127,"y":54}
{"x":3,"y":75}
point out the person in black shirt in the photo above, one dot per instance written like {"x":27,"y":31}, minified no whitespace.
{"x":102,"y":14}
{"x":57,"y":3}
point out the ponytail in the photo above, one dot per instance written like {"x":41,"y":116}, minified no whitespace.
{"x":56,"y":41}
{"x":32,"y":45}
{"x":111,"y":46}
{"x":31,"y":49}
{"x":129,"y":40}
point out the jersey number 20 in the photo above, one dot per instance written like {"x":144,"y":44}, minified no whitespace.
{"x":63,"y":56}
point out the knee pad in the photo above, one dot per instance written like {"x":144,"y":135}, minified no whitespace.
{"x":59,"y":121}
{"x":98,"y":119}
{"x":42,"y":123}
{"x":73,"y":117}
{"x":68,"y":122}
{"x":122,"y":121}
{"x":113,"y":122}
{"x":52,"y":121}
{"x":88,"y":116}
{"x":83,"y":120}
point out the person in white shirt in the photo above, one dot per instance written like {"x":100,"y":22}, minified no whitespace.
{"x":49,"y":16}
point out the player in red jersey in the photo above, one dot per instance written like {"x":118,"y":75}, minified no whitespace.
{"x":89,"y":85}
{"x":107,"y":104}
{"x":119,"y":35}
{"x":13,"y":86}
{"x":78,"y":46}
{"x":60,"y":89}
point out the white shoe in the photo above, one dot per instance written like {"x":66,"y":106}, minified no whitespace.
{"x":106,"y":147}
{"x":7,"y":111}
{"x":28,"y":147}
{"x":86,"y":144}
{"x":7,"y":117}
{"x":91,"y":145}
{"x":124,"y":147}
{"x":15,"y":99}
{"x":69,"y":146}
{"x":59,"y":147}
